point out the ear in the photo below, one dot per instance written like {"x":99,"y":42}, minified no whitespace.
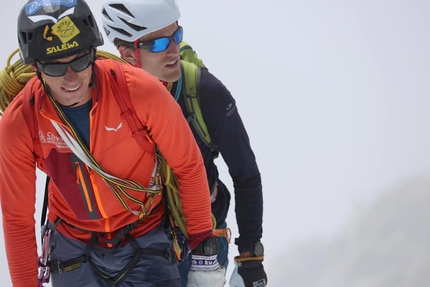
{"x":127,"y":54}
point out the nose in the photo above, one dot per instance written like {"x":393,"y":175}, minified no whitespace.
{"x":70,"y":74}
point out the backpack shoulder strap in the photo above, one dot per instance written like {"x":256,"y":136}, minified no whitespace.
{"x":188,"y":54}
{"x":139,"y":131}
{"x":28,"y":103}
{"x":191,"y":75}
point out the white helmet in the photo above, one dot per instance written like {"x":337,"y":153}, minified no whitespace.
{"x":128,"y":20}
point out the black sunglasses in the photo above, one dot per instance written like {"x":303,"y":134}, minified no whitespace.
{"x":60,"y":69}
{"x":161,"y":44}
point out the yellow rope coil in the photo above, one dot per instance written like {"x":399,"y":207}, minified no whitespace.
{"x":12,"y":80}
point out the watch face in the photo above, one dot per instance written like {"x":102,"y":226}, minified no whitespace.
{"x":258,"y":249}
{"x":211,"y":246}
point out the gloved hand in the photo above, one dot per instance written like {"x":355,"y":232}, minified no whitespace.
{"x":205,"y":272}
{"x":248,"y":272}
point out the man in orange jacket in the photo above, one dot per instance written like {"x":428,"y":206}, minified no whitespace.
{"x":106,"y":209}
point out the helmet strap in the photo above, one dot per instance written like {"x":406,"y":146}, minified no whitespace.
{"x":44,"y":85}
{"x":136,"y":54}
{"x":93,"y":80}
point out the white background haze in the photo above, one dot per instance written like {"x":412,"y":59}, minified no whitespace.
{"x":335,"y":98}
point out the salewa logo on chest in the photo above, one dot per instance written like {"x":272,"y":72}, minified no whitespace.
{"x":114,"y":129}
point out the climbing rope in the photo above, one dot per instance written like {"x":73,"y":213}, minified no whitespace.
{"x":173,"y":198}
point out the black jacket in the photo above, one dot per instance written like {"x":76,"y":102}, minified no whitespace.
{"x":227,"y":131}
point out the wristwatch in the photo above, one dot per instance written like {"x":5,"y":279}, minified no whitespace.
{"x":207,"y":247}
{"x":256,"y":249}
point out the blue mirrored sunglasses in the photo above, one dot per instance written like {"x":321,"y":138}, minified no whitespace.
{"x":161,"y":44}
{"x":60,"y":69}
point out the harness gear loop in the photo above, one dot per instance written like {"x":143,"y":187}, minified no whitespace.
{"x":224,"y":232}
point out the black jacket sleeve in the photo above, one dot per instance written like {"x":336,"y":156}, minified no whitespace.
{"x":228,"y":132}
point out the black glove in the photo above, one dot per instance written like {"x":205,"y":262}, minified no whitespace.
{"x":248,"y":272}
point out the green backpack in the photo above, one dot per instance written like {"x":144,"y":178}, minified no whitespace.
{"x":190,"y":66}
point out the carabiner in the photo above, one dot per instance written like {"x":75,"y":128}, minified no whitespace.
{"x":46,"y":247}
{"x":44,"y":275}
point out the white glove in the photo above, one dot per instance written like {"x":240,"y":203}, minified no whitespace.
{"x":206,"y":272}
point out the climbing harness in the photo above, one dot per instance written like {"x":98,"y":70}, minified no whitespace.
{"x":102,"y":244}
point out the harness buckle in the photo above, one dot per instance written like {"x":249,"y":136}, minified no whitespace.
{"x":56,"y":266}
{"x":171,"y":256}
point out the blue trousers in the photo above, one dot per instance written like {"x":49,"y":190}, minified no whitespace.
{"x":222,"y":258}
{"x":150,"y":271}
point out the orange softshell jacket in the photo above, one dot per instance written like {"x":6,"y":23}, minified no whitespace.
{"x":78,"y":195}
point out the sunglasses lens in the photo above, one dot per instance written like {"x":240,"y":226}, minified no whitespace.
{"x":179,"y":34}
{"x":53,"y":70}
{"x":160,"y":45}
{"x":81,"y":63}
